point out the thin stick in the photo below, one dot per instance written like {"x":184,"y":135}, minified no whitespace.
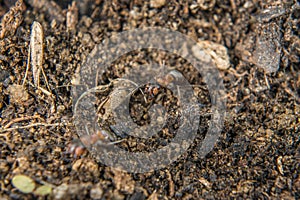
{"x":45,"y":77}
{"x":20,"y":119}
{"x":46,"y":92}
{"x":116,"y":142}
{"x":97,"y":76}
{"x":266,"y":80}
{"x":42,"y":90}
{"x":60,"y":86}
{"x":28,"y":126}
{"x":27,"y":67}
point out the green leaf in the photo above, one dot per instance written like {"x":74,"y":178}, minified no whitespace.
{"x":43,"y":190}
{"x":23,"y":183}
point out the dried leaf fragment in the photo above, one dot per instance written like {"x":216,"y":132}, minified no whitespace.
{"x":43,"y":190}
{"x":23,"y":183}
{"x":36,"y":51}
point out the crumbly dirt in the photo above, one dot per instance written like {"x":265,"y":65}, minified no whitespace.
{"x":257,"y":155}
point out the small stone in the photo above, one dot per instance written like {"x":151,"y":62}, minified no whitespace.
{"x":61,"y":191}
{"x":18,"y":94}
{"x":96,"y":192}
{"x":43,"y":190}
{"x":76,"y":166}
{"x":157,"y":3}
{"x":86,"y":39}
{"x":123,"y":182}
{"x":217,"y":54}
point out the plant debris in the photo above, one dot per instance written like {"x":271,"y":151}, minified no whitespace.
{"x":255,"y":46}
{"x":43,"y":190}
{"x":36,"y":51}
{"x":23,"y":183}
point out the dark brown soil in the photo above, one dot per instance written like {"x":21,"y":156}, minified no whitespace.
{"x":258,"y":153}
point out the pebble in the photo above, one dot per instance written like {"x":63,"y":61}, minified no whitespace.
{"x":96,"y":192}
{"x":18,"y":94}
{"x":157,"y":3}
{"x":218,"y":53}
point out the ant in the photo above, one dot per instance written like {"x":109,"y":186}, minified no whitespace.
{"x":152,"y":91}
{"x":79,"y":147}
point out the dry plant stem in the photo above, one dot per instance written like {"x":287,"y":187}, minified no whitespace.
{"x":116,"y":142}
{"x":28,"y":126}
{"x":21,"y":119}
{"x":61,"y":86}
{"x":46,"y":92}
{"x":46,"y":80}
{"x":97,"y":77}
{"x":267,"y":81}
{"x":27,"y":67}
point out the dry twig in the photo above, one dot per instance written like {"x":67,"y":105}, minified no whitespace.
{"x":28,"y":126}
{"x":20,"y":119}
